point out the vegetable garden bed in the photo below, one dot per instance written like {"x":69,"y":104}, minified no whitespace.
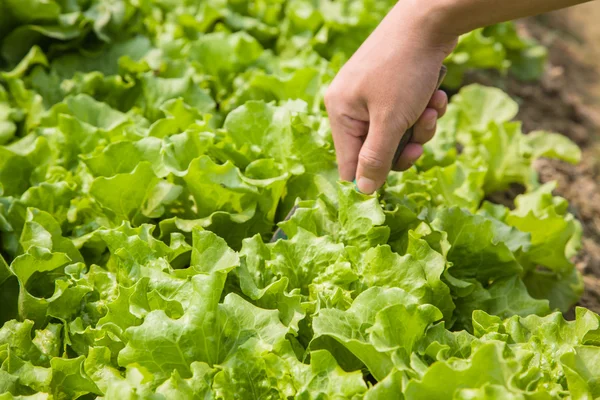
{"x":148,"y":151}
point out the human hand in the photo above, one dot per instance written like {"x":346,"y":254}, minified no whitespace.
{"x":384,"y":89}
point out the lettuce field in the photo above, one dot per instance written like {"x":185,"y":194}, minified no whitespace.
{"x":150,"y":148}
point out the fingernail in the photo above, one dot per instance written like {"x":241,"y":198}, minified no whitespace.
{"x":439,"y":103}
{"x":431,"y":123}
{"x":366,"y":185}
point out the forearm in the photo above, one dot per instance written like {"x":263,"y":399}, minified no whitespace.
{"x":456,"y":17}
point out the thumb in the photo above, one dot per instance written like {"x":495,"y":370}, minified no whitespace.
{"x":376,"y":156}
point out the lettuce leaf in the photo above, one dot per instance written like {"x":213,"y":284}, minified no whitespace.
{"x":148,"y":152}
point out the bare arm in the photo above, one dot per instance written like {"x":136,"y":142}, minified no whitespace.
{"x":386,"y":86}
{"x":462,"y":16}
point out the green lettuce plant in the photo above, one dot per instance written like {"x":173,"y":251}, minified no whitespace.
{"x":148,"y":151}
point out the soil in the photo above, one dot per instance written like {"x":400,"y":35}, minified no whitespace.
{"x":567,"y":100}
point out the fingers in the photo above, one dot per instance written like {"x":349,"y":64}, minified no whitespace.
{"x":376,"y":155}
{"x":427,"y":122}
{"x":425,"y":126}
{"x":424,"y":130}
{"x":348,"y":139}
{"x":348,"y":132}
{"x":439,"y":102}
{"x":410,"y":155}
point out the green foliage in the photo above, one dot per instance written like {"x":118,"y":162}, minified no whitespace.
{"x":148,"y":151}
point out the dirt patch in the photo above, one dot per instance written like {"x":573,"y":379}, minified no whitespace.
{"x":580,"y":185}
{"x":567,"y":100}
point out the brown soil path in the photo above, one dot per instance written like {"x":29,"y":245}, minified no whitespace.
{"x":568,"y":101}
{"x":586,"y":20}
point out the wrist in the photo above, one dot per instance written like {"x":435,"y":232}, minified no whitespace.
{"x":431,"y":21}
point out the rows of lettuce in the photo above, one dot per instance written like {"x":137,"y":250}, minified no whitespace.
{"x":119,"y":234}
{"x":296,"y":31}
{"x":141,"y":181}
